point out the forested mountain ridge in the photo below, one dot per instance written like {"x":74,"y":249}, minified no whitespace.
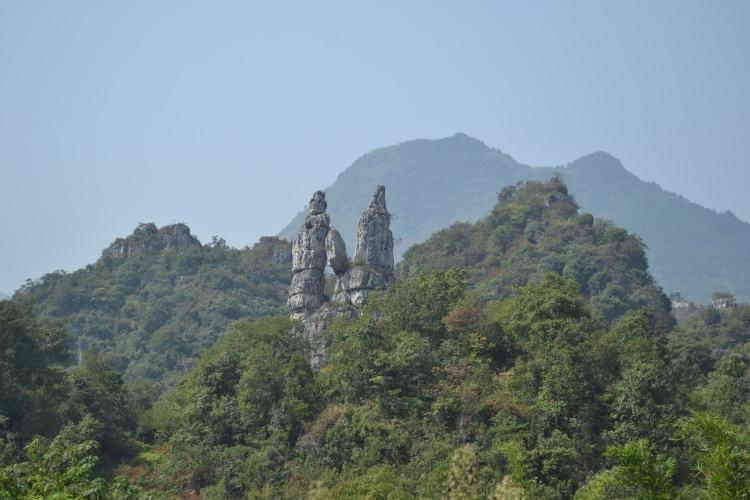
{"x":434,"y":183}
{"x":536,"y":229}
{"x":528,"y":355}
{"x":524,"y":356}
{"x":156,"y":299}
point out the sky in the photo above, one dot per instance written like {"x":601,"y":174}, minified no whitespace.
{"x":227,"y":115}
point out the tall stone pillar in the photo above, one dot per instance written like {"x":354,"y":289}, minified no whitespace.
{"x":306,"y":293}
{"x":318,"y":244}
{"x":373,"y":256}
{"x":374,"y":247}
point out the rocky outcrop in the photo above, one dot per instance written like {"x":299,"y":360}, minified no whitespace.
{"x":373,"y":255}
{"x":277,"y":250}
{"x":309,"y":261}
{"x":146,"y":238}
{"x":316,"y":245}
{"x":336,"y":252}
{"x":374,"y":238}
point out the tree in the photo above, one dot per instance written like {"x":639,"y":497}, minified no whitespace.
{"x":462,"y":476}
{"x":32,"y":354}
{"x":98,"y":391}
{"x":237,"y":415}
{"x":643,"y":404}
{"x":639,"y":473}
{"x":720,"y":456}
{"x":62,"y":469}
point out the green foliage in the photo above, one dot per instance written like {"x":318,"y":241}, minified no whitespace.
{"x":639,"y":473}
{"x":727,"y":391}
{"x":62,"y":469}
{"x":426,"y":370}
{"x":722,"y":459}
{"x":31,"y":375}
{"x":643,"y":404}
{"x":238,"y":413}
{"x":721,"y":330}
{"x":151,"y":314}
{"x":96,"y":390}
{"x":434,"y":391}
{"x":462,"y":476}
{"x":535,"y":229}
{"x":544,"y":368}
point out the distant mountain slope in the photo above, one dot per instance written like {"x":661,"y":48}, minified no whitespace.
{"x":156,"y":299}
{"x":434,"y":183}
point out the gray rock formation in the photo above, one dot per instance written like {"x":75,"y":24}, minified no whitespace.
{"x":147,"y":238}
{"x":317,"y":244}
{"x":373,"y":256}
{"x":336,"y":252}
{"x":374,"y":238}
{"x":309,"y":261}
{"x":277,"y":250}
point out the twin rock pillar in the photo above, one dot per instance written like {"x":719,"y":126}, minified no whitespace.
{"x":318,"y":244}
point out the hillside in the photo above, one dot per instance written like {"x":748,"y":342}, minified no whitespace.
{"x":434,"y":183}
{"x":479,"y":374}
{"x":156,"y":299}
{"x":535,"y":229}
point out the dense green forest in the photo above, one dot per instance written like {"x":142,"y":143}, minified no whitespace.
{"x":536,"y":229}
{"x":435,"y":183}
{"x":151,"y":313}
{"x":529,"y":355}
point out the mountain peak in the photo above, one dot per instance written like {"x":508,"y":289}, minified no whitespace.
{"x":433,"y":183}
{"x":146,"y":237}
{"x":600,"y":160}
{"x":463,"y":140}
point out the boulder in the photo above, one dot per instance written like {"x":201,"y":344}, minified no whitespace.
{"x":336,"y":252}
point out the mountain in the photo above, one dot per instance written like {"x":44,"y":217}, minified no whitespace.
{"x":512,"y":387}
{"x":434,"y":183}
{"x":536,"y":229}
{"x":157,"y":298}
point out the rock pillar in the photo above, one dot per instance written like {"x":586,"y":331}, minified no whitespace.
{"x":306,"y":293}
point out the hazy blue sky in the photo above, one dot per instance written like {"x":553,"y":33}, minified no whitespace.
{"x":226,"y":115}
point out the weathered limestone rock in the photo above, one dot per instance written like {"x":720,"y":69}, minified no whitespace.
{"x":336,"y":252}
{"x":309,"y":260}
{"x":277,"y":250}
{"x":374,"y":247}
{"x":373,"y":258}
{"x":317,"y":323}
{"x":147,"y":238}
{"x":308,"y":281}
{"x":317,"y":244}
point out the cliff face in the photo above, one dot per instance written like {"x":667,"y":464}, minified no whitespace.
{"x":316,"y":245}
{"x":147,"y":238}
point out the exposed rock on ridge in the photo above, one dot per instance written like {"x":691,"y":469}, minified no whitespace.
{"x":147,"y":238}
{"x":279,"y":252}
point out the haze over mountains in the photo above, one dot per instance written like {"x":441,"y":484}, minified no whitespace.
{"x":434,"y":183}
